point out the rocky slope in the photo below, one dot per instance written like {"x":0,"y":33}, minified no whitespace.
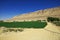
{"x":38,"y":15}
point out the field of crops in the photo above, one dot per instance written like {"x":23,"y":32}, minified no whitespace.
{"x":26,"y":24}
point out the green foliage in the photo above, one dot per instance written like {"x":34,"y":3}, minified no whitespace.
{"x":51,"y":19}
{"x":26,"y":24}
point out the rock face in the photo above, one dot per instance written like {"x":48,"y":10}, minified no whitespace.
{"x":38,"y":15}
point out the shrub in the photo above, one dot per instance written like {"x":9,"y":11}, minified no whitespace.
{"x":51,"y":19}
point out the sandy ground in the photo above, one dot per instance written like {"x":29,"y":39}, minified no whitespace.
{"x":50,"y":32}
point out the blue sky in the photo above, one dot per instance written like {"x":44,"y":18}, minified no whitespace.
{"x":10,"y":8}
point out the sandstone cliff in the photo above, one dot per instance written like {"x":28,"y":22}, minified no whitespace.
{"x":38,"y":15}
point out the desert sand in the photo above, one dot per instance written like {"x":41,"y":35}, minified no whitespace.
{"x":50,"y":32}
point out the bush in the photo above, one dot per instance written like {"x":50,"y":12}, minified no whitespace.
{"x":51,"y":19}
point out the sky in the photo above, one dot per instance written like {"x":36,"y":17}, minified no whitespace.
{"x":11,"y":8}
